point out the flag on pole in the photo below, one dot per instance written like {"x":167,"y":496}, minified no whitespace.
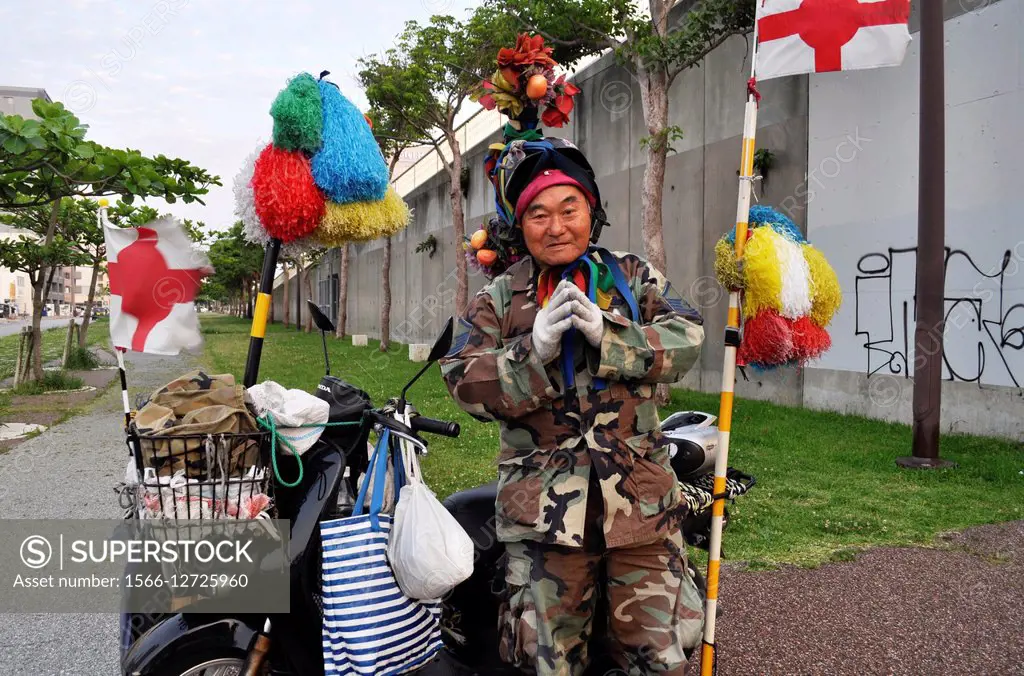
{"x":817,"y":36}
{"x":155,"y":275}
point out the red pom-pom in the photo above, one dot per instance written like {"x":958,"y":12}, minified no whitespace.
{"x":288,"y":203}
{"x":767,"y":340}
{"x":810,"y":341}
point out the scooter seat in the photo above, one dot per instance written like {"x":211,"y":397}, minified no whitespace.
{"x":473,"y":508}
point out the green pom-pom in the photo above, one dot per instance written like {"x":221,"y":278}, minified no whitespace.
{"x":727,"y":268}
{"x":298,"y":115}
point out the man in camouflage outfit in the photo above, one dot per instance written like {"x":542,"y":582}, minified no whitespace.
{"x":585,"y":483}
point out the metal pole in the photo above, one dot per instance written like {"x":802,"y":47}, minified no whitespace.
{"x":732,"y":342}
{"x":931,"y":245}
{"x":260,"y":313}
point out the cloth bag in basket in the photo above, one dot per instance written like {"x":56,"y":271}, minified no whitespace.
{"x":429,"y":550}
{"x":370,"y":626}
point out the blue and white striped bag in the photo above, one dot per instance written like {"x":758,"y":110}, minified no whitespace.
{"x":370,"y":627}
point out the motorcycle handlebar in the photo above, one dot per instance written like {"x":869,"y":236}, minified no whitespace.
{"x":443,"y":427}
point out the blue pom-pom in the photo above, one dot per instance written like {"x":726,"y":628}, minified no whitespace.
{"x":764,"y":215}
{"x":349,"y":166}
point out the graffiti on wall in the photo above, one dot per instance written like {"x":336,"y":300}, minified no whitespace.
{"x":983,"y":338}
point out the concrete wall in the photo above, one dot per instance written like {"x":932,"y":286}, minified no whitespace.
{"x":862,"y":213}
{"x":866,"y":208}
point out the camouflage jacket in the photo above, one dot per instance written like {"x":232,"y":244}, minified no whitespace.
{"x":549,"y":443}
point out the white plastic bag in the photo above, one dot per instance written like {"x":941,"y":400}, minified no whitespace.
{"x":291,"y":409}
{"x":430,"y":553}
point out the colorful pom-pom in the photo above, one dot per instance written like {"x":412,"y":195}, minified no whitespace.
{"x":826,"y":294}
{"x":795,"y":293}
{"x":767,"y":340}
{"x":245,"y":202}
{"x":298,"y":115}
{"x":810,"y":341}
{"x":362,"y":221}
{"x":761,"y":215}
{"x":727,"y":268}
{"x":763,"y":277}
{"x":288,"y":203}
{"x":349,"y":166}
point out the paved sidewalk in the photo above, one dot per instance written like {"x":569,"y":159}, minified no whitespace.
{"x":69,"y":472}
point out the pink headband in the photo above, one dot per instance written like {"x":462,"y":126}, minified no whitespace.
{"x":544,"y":180}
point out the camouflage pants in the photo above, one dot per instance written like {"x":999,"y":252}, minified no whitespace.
{"x":655,"y":611}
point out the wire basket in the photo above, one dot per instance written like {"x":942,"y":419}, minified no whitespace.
{"x":200,"y":477}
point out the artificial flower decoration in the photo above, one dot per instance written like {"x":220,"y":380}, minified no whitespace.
{"x":525,"y":83}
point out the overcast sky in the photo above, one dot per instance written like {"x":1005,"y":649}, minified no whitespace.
{"x":193,"y":78}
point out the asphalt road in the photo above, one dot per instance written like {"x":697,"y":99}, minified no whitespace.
{"x":69,"y":472}
{"x":9,"y":328}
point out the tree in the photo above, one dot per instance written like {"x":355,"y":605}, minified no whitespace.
{"x":423,"y":82}
{"x":44,"y":161}
{"x":339,"y":330}
{"x":237,"y":265}
{"x":654,"y":51}
{"x":394,"y":135}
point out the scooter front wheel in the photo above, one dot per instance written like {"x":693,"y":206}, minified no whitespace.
{"x":204,"y":665}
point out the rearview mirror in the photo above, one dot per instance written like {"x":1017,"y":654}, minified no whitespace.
{"x":321,"y":320}
{"x":443,"y":342}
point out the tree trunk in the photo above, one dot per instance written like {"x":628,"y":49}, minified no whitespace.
{"x":309,"y":295}
{"x":298,"y":295}
{"x":39,"y":295}
{"x":287,"y":297}
{"x":343,"y":292}
{"x":458,"y":225}
{"x":385,"y":306}
{"x":654,"y":98}
{"x":87,"y":317}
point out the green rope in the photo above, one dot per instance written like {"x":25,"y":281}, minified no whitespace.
{"x":267,"y":422}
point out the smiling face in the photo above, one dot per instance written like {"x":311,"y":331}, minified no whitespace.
{"x":556,"y":225}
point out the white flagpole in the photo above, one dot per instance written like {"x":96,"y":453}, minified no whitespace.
{"x":732,"y":342}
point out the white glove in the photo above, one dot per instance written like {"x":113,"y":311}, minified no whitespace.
{"x":551,"y":322}
{"x":586,"y":317}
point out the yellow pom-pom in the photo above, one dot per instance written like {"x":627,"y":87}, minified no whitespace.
{"x":826,"y":294}
{"x":363,"y":221}
{"x":104,"y":202}
{"x":727,"y":268}
{"x":763,"y":277}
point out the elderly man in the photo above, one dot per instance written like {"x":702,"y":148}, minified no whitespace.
{"x":586,"y":495}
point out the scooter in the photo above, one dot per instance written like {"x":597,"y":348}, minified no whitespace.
{"x":200,"y":644}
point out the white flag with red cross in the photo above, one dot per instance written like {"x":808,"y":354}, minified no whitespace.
{"x":155,"y":276}
{"x":817,"y":36}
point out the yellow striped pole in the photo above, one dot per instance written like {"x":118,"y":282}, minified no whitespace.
{"x":261,"y":312}
{"x":732,"y":342}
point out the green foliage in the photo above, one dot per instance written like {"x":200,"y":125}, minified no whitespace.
{"x":639,"y":33}
{"x":81,"y":359}
{"x":663,"y":138}
{"x":46,"y":159}
{"x":429,"y":245}
{"x":235,"y":261}
{"x":764,"y":159}
{"x":53,"y":381}
{"x":30,"y":253}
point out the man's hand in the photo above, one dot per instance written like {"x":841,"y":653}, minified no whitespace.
{"x":586,"y":317}
{"x":551,"y":322}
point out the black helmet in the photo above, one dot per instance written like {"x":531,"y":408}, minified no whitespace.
{"x":521,"y":161}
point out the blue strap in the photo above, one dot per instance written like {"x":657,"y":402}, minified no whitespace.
{"x":378,"y":467}
{"x":621,"y":284}
{"x":399,"y":470}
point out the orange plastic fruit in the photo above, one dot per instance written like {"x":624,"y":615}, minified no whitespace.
{"x":486,"y":256}
{"x":478,"y":239}
{"x":537,"y":86}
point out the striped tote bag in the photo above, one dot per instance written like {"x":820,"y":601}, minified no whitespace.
{"x":370,"y":627}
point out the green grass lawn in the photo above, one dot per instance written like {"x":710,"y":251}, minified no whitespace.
{"x":53,"y":344}
{"x":827,"y":483}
